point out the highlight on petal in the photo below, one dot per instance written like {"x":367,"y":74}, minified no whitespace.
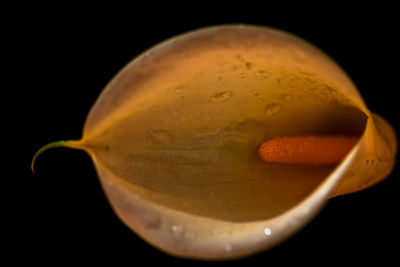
{"x":178,"y":139}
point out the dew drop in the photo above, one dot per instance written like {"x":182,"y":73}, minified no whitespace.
{"x":198,"y":75}
{"x":151,"y":220}
{"x":220,"y":97}
{"x":235,"y":67}
{"x":267,"y":231}
{"x":369,"y":162}
{"x":272,"y":109}
{"x":179,"y":89}
{"x":249,"y":65}
{"x":161,"y":137}
{"x":263,"y":74}
{"x":215,"y":232}
{"x":228,"y":247}
{"x":176,"y":230}
{"x":285,"y":97}
{"x":239,"y":57}
{"x":243,"y":75}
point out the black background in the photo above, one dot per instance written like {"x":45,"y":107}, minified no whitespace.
{"x":62,"y":57}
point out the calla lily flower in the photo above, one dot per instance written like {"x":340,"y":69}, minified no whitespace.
{"x":175,"y":139}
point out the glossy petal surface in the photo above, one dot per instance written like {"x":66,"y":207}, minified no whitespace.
{"x":174,"y":138}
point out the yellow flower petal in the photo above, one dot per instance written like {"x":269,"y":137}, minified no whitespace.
{"x":174,"y":139}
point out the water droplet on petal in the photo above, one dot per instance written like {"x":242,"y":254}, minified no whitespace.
{"x":220,"y":97}
{"x":228,"y":247}
{"x":243,"y":75}
{"x":267,"y":231}
{"x":179,"y":89}
{"x":369,"y":163}
{"x":151,"y":220}
{"x":263,"y":74}
{"x":161,"y":137}
{"x":198,"y":75}
{"x":249,"y":65}
{"x":215,"y":231}
{"x":176,"y":230}
{"x":239,"y":57}
{"x":272,"y":109}
{"x":285,"y":97}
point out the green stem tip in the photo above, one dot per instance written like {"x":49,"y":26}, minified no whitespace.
{"x":61,"y":143}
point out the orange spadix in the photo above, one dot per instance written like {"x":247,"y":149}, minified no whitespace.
{"x":315,"y":150}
